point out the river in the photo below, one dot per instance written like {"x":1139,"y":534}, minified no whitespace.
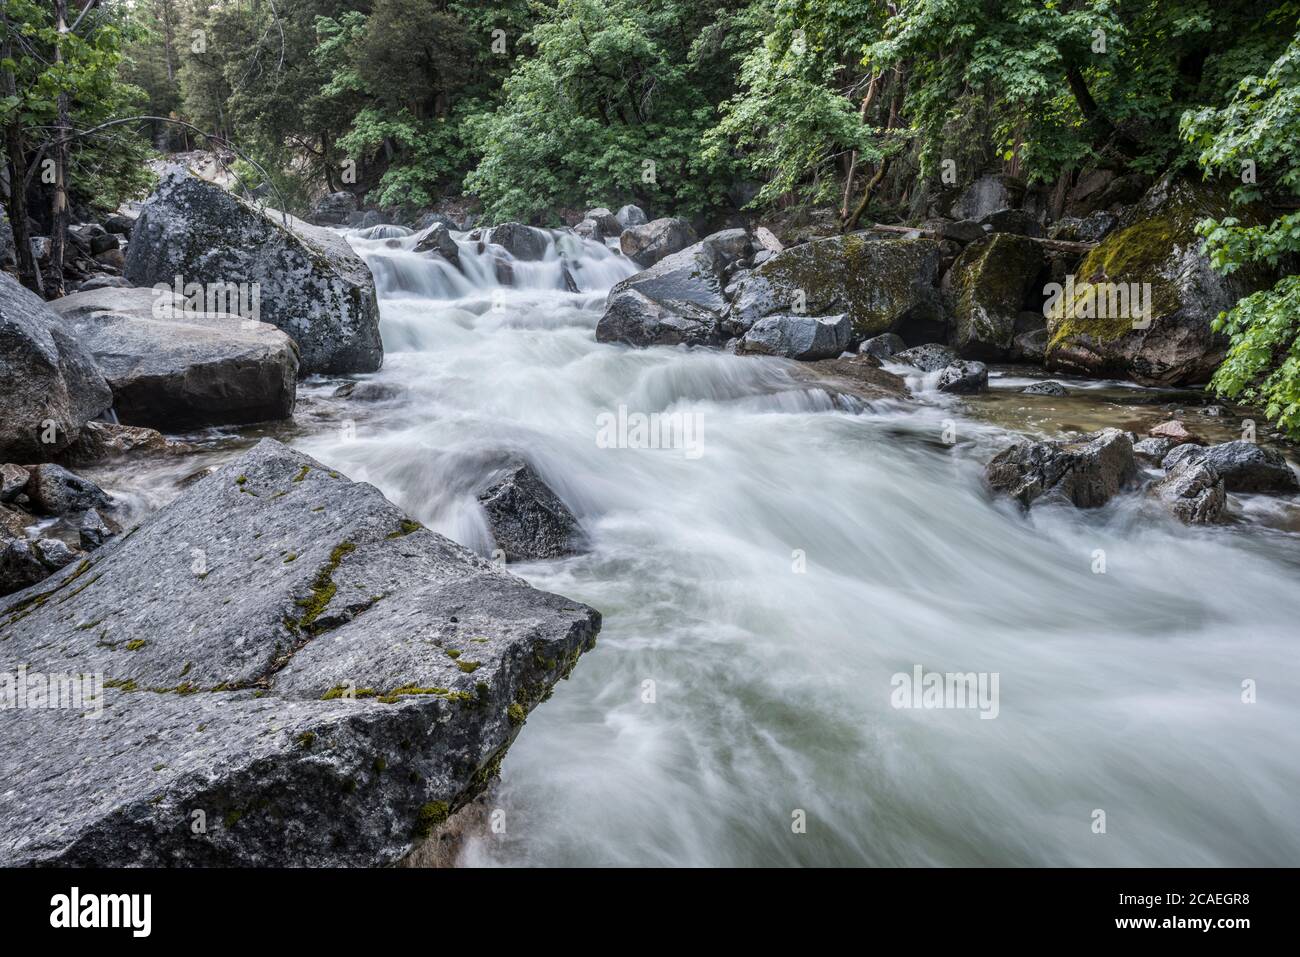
{"x":762,"y":590}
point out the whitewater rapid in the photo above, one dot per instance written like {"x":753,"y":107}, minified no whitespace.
{"x":759,"y":598}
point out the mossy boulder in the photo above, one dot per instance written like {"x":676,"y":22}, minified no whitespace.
{"x":987,"y":288}
{"x":881,"y":284}
{"x":1140,"y":305}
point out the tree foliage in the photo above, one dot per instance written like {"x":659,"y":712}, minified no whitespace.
{"x":1253,"y":137}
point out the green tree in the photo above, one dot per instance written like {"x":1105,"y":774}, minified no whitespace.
{"x":1253,"y":137}
{"x":613,"y":104}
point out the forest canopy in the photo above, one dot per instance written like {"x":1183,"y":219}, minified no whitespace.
{"x":860,"y":107}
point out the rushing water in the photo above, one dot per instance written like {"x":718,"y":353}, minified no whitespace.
{"x":771,"y":586}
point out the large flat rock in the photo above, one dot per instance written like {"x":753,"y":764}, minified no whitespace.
{"x":230,"y":628}
{"x":173,"y":369}
{"x":312,"y":286}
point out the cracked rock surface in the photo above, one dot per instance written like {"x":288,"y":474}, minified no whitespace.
{"x":295,"y":674}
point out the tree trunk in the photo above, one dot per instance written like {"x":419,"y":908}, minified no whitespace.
{"x":28,"y":274}
{"x":60,"y":214}
{"x":867,"y":100}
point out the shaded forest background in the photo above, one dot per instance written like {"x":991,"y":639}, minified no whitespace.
{"x":859,"y":109}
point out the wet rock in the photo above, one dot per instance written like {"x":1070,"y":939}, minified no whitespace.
{"x":93,"y":530}
{"x":311,"y":285}
{"x":647,"y":244}
{"x":930,"y":357}
{"x":590,"y":230}
{"x":525,"y":243}
{"x":1152,"y":451}
{"x":964,"y":377}
{"x":25,"y":563}
{"x":1244,"y":466}
{"x":102,"y":441}
{"x":369,"y":391}
{"x":365,"y":689}
{"x":629,"y":216}
{"x":173,"y":369}
{"x":527,"y":519}
{"x":676,"y":301}
{"x":1175,"y":432}
{"x":1045,"y":388}
{"x":798,"y":337}
{"x":858,"y":376}
{"x":13,"y":479}
{"x":1193,"y":492}
{"x":1096,"y":327}
{"x":49,"y":384}
{"x":883,"y":285}
{"x":437,"y":239}
{"x":987,"y":287}
{"x":1087,"y":473}
{"x":883,"y":346}
{"x":13,"y":523}
{"x":53,"y":490}
{"x":608,"y":222}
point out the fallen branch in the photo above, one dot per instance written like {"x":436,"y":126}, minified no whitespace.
{"x":1060,"y":245}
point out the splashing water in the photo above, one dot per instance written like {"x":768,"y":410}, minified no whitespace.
{"x":759,"y":598}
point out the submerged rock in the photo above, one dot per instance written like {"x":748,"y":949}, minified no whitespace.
{"x":310,"y":284}
{"x":1193,"y":492}
{"x":1045,"y":388}
{"x":437,"y":239}
{"x":1086,"y":473}
{"x":49,"y":384}
{"x":881,"y":284}
{"x":527,"y":519}
{"x":174,"y":369}
{"x":1175,"y":432}
{"x":321,"y":679}
{"x":525,"y":243}
{"x":101,"y":441}
{"x":798,"y":337}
